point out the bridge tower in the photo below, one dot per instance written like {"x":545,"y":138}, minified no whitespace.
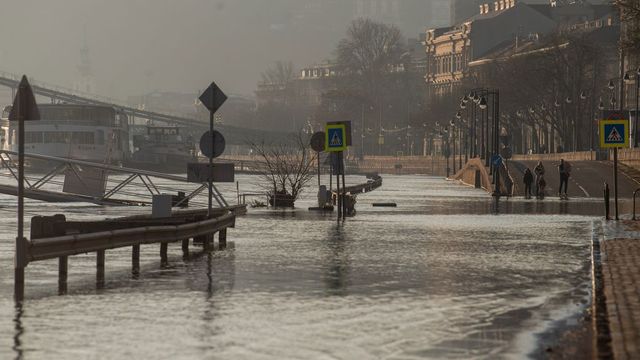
{"x":86,"y":82}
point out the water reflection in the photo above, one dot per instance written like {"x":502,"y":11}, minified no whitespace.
{"x":18,"y":331}
{"x":337,"y":260}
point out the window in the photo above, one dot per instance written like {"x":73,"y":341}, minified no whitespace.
{"x":33,"y":137}
{"x":82,"y":137}
{"x":51,"y":137}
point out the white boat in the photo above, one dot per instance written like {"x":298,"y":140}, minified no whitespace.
{"x":85,"y":132}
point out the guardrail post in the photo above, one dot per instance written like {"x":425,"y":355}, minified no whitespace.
{"x":100,"y":269}
{"x":163,"y":253}
{"x":62,"y":274}
{"x":185,"y":248}
{"x":222,"y":239}
{"x":135,"y":260}
{"x":207,"y":243}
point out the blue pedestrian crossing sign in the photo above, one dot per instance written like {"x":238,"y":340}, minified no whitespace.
{"x":614,"y":133}
{"x":336,"y":139}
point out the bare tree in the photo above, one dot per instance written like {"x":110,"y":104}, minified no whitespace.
{"x":630,"y":16}
{"x":368,"y":54}
{"x":281,"y":73}
{"x":286,"y":169}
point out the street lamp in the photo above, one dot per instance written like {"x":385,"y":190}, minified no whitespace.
{"x":483,"y":103}
{"x":452,"y":137}
{"x":630,"y":80}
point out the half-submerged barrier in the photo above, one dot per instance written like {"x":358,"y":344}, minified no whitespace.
{"x":55,"y":237}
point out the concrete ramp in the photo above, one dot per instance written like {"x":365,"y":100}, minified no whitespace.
{"x":473,"y":171}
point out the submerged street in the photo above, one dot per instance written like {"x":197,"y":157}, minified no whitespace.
{"x":447,"y":274}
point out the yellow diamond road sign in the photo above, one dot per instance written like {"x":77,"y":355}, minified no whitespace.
{"x":614,"y":133}
{"x":336,"y":139}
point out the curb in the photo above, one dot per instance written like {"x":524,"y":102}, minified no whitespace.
{"x":600,"y":319}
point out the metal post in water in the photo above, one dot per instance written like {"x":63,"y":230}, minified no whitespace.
{"x":222,"y":239}
{"x":606,"y":201}
{"x":62,"y":274}
{"x":210,"y":182}
{"x":100,"y":269}
{"x":20,"y":255}
{"x":338,"y":200}
{"x":164,"y":260}
{"x":615,"y":181}
{"x":318,"y":155}
{"x":135,"y":260}
{"x":344,"y":187}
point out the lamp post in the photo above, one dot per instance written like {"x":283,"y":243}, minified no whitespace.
{"x":612,"y":100}
{"x":485,"y":129}
{"x":460,"y":147}
{"x":463,"y":105}
{"x":630,"y":80}
{"x":574,"y":135}
{"x":452,"y":138}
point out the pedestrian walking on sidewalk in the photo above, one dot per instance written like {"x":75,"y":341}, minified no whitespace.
{"x":528,"y":180}
{"x":539,"y":171}
{"x":564,"y":169}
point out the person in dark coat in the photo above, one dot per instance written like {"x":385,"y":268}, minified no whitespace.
{"x":539,"y":171}
{"x":564,"y":170}
{"x":528,"y":180}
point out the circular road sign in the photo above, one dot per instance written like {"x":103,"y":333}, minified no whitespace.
{"x":212,"y":150}
{"x":317,"y":141}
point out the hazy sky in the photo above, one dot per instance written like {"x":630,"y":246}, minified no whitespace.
{"x":138,"y":46}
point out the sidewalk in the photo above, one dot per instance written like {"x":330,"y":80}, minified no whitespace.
{"x":620,"y":252}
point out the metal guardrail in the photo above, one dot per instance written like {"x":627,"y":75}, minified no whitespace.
{"x":49,"y":248}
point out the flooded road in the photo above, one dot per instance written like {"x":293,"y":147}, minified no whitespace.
{"x":446,"y":274}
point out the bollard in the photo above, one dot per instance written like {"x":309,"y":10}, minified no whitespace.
{"x":606,"y":201}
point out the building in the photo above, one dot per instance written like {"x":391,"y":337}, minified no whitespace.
{"x":551,"y":113}
{"x":450,"y":49}
{"x":460,"y":10}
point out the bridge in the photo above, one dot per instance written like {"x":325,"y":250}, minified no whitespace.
{"x":233,"y":134}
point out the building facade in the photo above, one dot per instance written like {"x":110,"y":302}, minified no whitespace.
{"x":450,"y":49}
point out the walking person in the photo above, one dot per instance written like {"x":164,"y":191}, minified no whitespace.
{"x":564,"y":169}
{"x":528,"y":180}
{"x":539,"y":171}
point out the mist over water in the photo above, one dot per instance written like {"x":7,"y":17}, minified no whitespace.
{"x":444,"y":275}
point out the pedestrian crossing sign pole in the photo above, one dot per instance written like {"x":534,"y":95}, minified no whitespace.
{"x":614,"y":133}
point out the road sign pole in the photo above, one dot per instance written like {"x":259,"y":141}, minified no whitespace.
{"x":344,"y":187}
{"x":20,"y":255}
{"x":615,"y":181}
{"x":210,"y":205}
{"x":212,"y":98}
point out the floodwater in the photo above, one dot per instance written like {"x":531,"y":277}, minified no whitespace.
{"x":446,"y":274}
